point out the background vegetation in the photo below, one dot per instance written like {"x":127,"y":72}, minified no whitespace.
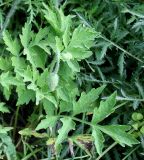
{"x":71,"y":79}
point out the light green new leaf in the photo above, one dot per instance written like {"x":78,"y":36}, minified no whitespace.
{"x":12,"y":45}
{"x":82,"y":40}
{"x":63,"y":94}
{"x":18,"y":62}
{"x":4,"y":130}
{"x":68,"y":124}
{"x":50,"y":121}
{"x":5,"y":64}
{"x":25,"y":37}
{"x":26,"y":74}
{"x":3,"y":108}
{"x":118,"y":133}
{"x":105,"y":109}
{"x":42,"y":34}
{"x":74,"y":65}
{"x":24,"y":95}
{"x":36,"y":56}
{"x":66,"y":36}
{"x":57,"y":19}
{"x":7,"y":93}
{"x":6,"y":80}
{"x":98,"y":139}
{"x":86,"y":99}
{"x":49,"y":107}
{"x":9,"y":148}
{"x":43,"y":79}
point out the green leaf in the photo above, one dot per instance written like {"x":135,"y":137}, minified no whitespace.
{"x":57,"y":19}
{"x":24,"y":95}
{"x":100,"y":55}
{"x":29,"y":132}
{"x":27,"y":74}
{"x":98,"y":139}
{"x":41,"y":35}
{"x":118,"y":133}
{"x":63,"y":94}
{"x":3,"y":108}
{"x":18,"y":63}
{"x":59,"y":45}
{"x":9,"y":148}
{"x":6,"y":80}
{"x":65,"y":106}
{"x":36,"y":56}
{"x":4,"y":130}
{"x":48,"y":106}
{"x":66,"y":36}
{"x":86,"y":99}
{"x":25,"y":37}
{"x":50,"y":121}
{"x":105,"y":109}
{"x":82,"y":40}
{"x":12,"y":45}
{"x":74,"y":65}
{"x":68,"y":124}
{"x":42,"y":81}
{"x":5,"y":64}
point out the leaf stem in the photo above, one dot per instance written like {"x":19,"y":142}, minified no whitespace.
{"x":120,"y":48}
{"x":106,"y":39}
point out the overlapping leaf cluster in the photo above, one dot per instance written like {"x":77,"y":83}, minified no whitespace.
{"x":43,"y":70}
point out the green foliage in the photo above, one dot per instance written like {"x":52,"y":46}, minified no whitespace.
{"x":71,"y":76}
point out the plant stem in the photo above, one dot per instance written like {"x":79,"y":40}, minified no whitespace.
{"x":106,"y":39}
{"x":9,"y":15}
{"x":15,"y":121}
{"x":131,"y":152}
{"x":120,"y":48}
{"x":31,"y":154}
{"x":115,"y":143}
{"x":109,"y":148}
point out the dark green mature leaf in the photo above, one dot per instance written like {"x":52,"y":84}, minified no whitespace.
{"x":118,"y":133}
{"x":68,"y":124}
{"x":100,"y":54}
{"x":86,"y":99}
{"x":105,"y":109}
{"x":98,"y":139}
